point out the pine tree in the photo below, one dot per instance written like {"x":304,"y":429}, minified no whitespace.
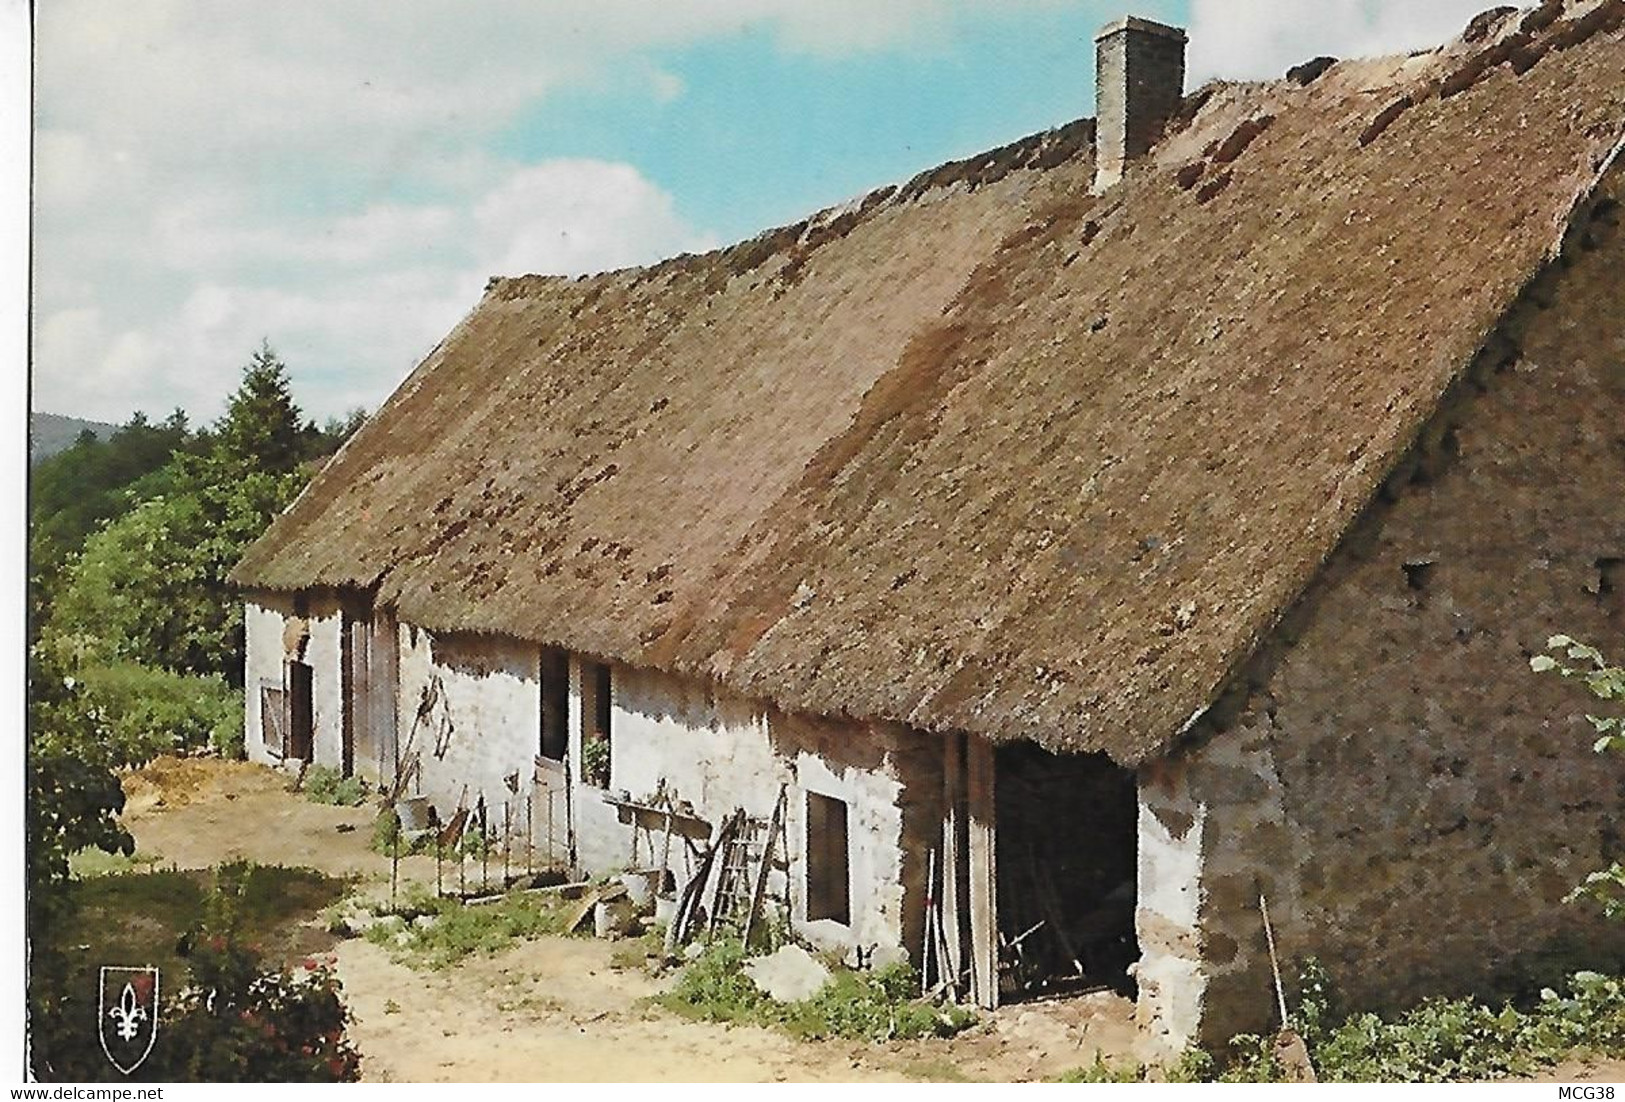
{"x":262,"y":426}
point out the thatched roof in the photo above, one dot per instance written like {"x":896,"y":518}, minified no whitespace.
{"x":985,"y":452}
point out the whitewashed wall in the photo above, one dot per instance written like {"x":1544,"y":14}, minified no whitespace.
{"x":716,"y":751}
{"x":265,"y":618}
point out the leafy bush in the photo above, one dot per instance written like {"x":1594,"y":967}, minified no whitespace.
{"x":1450,"y":1040}
{"x":326,"y":785}
{"x":595,"y":761}
{"x":871,"y":1006}
{"x":149,"y":711}
{"x":387,"y":826}
{"x":714,"y":987}
{"x":239,"y":1021}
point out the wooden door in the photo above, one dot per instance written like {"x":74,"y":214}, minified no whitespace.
{"x":301,"y":712}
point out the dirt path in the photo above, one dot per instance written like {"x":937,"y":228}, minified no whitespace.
{"x":552,"y":1008}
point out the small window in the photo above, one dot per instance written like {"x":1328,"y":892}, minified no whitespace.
{"x":596,"y":690}
{"x":555,"y":732}
{"x":829,"y":892}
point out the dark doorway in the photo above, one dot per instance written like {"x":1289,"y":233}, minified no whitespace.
{"x":555,"y":733}
{"x":353,"y":722}
{"x":1066,"y":845}
{"x":301,"y":712}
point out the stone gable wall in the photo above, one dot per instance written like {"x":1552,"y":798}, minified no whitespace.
{"x":1413,"y":801}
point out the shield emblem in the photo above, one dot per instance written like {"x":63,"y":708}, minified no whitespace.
{"x":127,"y":1013}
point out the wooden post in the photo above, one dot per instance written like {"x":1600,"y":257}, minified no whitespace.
{"x":984,"y":913}
{"x":953,"y":810}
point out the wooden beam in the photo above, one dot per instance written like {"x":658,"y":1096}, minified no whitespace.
{"x":984,"y":913}
{"x":953,"y":801}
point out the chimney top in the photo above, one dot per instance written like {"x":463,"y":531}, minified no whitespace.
{"x":1135,"y":23}
{"x":1139,"y":84}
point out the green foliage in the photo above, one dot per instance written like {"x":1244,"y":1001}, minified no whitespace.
{"x":714,"y":987}
{"x":151,"y":586}
{"x":451,"y":931}
{"x":198,"y":929}
{"x":149,"y":711}
{"x":1102,"y":1072}
{"x":384,"y":829}
{"x":1449,"y":1040}
{"x":1193,"y":1066}
{"x":132,"y":540}
{"x":242,"y":1021}
{"x":872,"y":1006}
{"x":595,"y":761}
{"x":261,"y":428}
{"x":1604,"y":681}
{"x":74,"y":798}
{"x":1604,"y":887}
{"x":91,"y":862}
{"x":77,"y":490}
{"x":326,"y":785}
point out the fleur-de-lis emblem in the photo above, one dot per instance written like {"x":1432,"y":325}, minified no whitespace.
{"x":128,"y":1025}
{"x":128,"y":1013}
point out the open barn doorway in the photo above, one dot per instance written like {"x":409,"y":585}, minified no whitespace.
{"x":1066,"y":864}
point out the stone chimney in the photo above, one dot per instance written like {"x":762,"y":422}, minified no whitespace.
{"x":1139,"y":81}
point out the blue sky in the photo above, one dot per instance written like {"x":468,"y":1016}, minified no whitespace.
{"x":340,"y":177}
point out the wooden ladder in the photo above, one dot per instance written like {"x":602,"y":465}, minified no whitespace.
{"x":747,"y":858}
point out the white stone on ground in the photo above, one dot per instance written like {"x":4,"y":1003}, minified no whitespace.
{"x":788,"y":975}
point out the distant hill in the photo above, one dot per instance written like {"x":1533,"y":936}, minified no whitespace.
{"x":50,"y":433}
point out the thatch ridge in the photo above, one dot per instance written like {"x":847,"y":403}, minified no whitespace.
{"x":995,"y":454}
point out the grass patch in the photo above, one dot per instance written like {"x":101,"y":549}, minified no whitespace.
{"x":637,"y":952}
{"x":142,"y":918}
{"x":447,"y":931}
{"x":326,"y":785}
{"x":93,"y":861}
{"x":868,"y":1006}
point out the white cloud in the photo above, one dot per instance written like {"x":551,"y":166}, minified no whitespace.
{"x":1254,"y":39}
{"x":320,"y":172}
{"x":350,"y":302}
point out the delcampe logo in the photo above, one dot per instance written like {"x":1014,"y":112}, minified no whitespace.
{"x":127,"y":1010}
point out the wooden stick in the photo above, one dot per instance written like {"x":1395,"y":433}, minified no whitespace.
{"x":928,"y":945}
{"x":1275,"y":966}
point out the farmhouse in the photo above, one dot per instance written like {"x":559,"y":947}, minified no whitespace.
{"x":1088,"y":539}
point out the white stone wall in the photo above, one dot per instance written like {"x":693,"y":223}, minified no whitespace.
{"x":714,"y":750}
{"x":484,"y":727}
{"x":323,"y":653}
{"x":264,"y":619}
{"x":720,"y":752}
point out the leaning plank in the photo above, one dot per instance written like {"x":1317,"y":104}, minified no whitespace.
{"x":951,"y":913}
{"x":984,"y":919}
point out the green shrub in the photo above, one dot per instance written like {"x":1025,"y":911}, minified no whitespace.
{"x":714,"y":987}
{"x":387,"y":826}
{"x":1448,"y":1040}
{"x":595,"y":761}
{"x":871,"y":1006}
{"x":149,"y":711}
{"x":325,"y":785}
